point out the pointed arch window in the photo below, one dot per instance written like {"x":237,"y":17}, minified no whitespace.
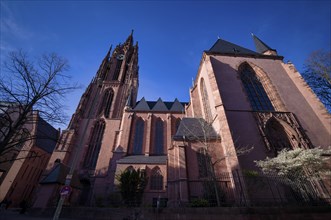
{"x":156,"y":179}
{"x":175,"y":126}
{"x":254,"y":89}
{"x":138,"y":136}
{"x":117,"y":69}
{"x":158,"y":137}
{"x":129,"y":169}
{"x":277,"y":136}
{"x":204,"y":163}
{"x":107,"y":102}
{"x":205,"y":100}
{"x":94,"y":145}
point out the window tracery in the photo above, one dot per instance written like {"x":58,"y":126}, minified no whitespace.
{"x":205,"y":100}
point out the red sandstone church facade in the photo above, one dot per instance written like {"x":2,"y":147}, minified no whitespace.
{"x":240,"y":98}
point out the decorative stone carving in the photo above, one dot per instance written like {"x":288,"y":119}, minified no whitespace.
{"x":287,"y":120}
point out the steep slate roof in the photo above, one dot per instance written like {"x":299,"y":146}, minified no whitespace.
{"x":160,"y":106}
{"x":142,"y":159}
{"x":193,"y":129}
{"x":47,"y":135}
{"x":227,"y":48}
{"x":261,"y":47}
{"x":58,"y":175}
{"x":141,"y":105}
{"x":222,"y":46}
{"x":176,"y":106}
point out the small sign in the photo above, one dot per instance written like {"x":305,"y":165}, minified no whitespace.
{"x":67,"y":182}
{"x":66,"y":190}
{"x":69,"y":176}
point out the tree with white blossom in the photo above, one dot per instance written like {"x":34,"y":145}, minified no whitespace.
{"x":299,"y":167}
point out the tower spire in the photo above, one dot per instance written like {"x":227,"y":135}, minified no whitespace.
{"x":101,"y":73}
{"x":129,"y":40}
{"x":106,"y":59}
{"x":262,"y":47}
{"x":110,"y":48}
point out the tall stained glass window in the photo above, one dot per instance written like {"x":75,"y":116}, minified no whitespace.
{"x":205,"y":101}
{"x":107,"y":103}
{"x":138,"y":136}
{"x":117,"y":69}
{"x":254,"y":89}
{"x":158,"y":138}
{"x":94,"y":145}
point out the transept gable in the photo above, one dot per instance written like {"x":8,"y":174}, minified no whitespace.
{"x":177,"y":106}
{"x":142,"y":105}
{"x":160,"y":106}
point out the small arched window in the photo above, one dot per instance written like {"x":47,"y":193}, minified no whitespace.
{"x":94,"y":145}
{"x":204,"y":163}
{"x":156,"y":179}
{"x":129,"y":169}
{"x":254,"y":89}
{"x":158,"y":137}
{"x":138,"y":136}
{"x":205,"y":100}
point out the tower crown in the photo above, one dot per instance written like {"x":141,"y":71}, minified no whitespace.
{"x":123,"y":59}
{"x":115,"y":85}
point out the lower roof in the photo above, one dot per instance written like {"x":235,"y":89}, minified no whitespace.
{"x":143,"y":159}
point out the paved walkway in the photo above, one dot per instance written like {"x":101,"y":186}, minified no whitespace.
{"x":15,"y":215}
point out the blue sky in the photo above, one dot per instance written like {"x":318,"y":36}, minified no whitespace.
{"x":171,"y":35}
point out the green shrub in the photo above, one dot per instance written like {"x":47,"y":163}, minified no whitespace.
{"x":199,"y":203}
{"x":99,"y":201}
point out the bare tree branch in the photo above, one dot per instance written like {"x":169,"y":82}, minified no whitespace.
{"x":317,"y":72}
{"x":201,"y":132}
{"x":26,"y":86}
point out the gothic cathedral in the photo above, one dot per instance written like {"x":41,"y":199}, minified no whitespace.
{"x":244,"y":106}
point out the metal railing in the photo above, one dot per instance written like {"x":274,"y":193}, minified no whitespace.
{"x":261,"y":190}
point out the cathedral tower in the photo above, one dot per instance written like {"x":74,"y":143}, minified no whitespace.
{"x":87,"y":144}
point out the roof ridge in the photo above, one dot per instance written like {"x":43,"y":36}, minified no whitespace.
{"x":223,"y":46}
